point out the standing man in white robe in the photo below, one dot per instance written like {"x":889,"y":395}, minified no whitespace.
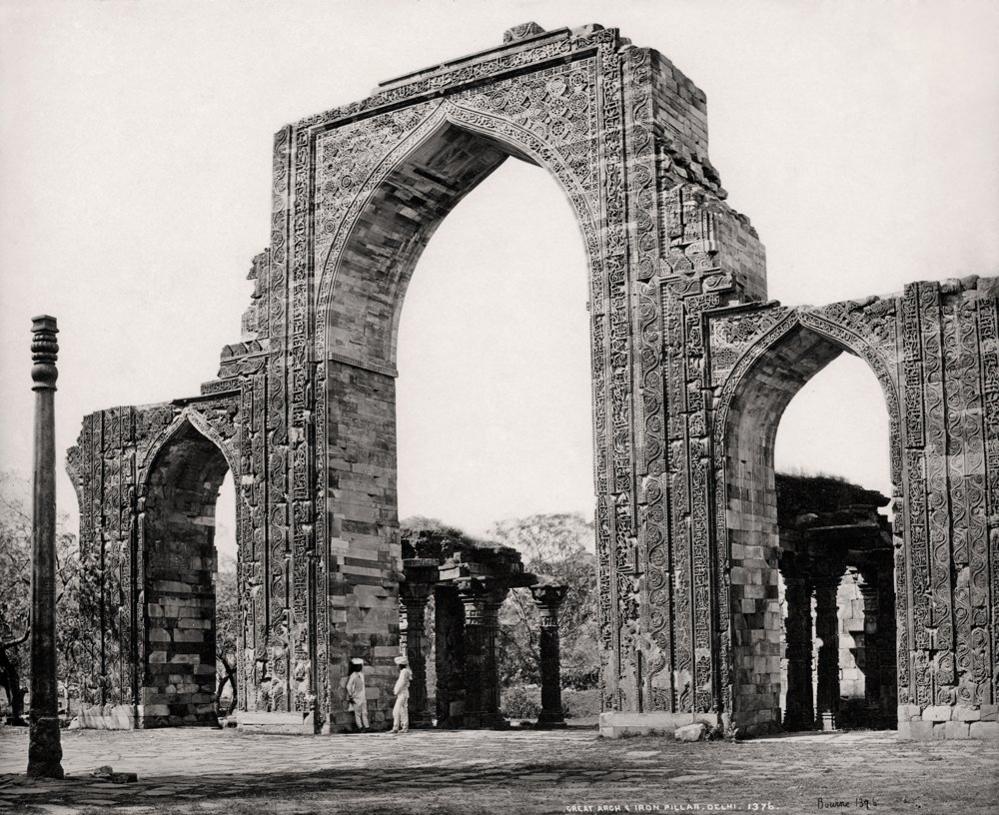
{"x":357,"y":696}
{"x":400,"y":713}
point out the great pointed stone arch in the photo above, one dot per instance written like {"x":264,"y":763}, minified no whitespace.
{"x":409,"y":189}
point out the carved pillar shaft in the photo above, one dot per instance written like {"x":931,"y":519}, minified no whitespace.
{"x":482,"y":601}
{"x":799,"y":713}
{"x":886,"y":644}
{"x":416,"y":656}
{"x":490,"y":701}
{"x":827,"y":631}
{"x":414,"y":594}
{"x":44,"y":748}
{"x":870,"y":656}
{"x":548,"y":599}
{"x":474,"y":668}
{"x":449,"y":640}
{"x":403,"y":625}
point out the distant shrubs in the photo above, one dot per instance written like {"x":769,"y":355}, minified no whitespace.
{"x":524,"y":702}
{"x":521,"y":701}
{"x":580,"y":703}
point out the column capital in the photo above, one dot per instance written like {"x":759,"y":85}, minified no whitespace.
{"x":421,"y":575}
{"x":482,"y":598}
{"x":44,"y":352}
{"x":548,"y":595}
{"x":826,"y":585}
{"x":481,"y":590}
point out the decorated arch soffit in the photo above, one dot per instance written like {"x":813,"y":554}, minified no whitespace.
{"x":552,"y":125}
{"x":866,"y":330}
{"x":193,"y":418}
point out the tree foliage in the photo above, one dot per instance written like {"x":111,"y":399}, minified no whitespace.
{"x":15,"y":594}
{"x":555,"y":547}
{"x":226,"y":633}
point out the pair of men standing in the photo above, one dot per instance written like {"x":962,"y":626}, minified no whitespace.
{"x":358,"y":702}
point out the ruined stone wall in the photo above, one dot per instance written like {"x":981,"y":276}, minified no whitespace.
{"x":932,"y":349}
{"x":690,"y":372}
{"x":147,"y":549}
{"x":948,"y":643}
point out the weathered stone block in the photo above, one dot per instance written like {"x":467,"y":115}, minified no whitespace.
{"x":938,"y":713}
{"x":615,"y":725}
{"x":984,"y":730}
{"x":956,"y":730}
{"x":291,"y":724}
{"x":109,"y":717}
{"x":691,"y":732}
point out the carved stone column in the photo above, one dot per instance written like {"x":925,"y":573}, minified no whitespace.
{"x":482,"y":599}
{"x":827,"y":631}
{"x":44,"y":748}
{"x":799,"y":710}
{"x":887,"y":644}
{"x":871,"y":656}
{"x":548,"y":599}
{"x":414,"y":594}
{"x":449,"y":642}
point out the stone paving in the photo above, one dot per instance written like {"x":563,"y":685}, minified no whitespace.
{"x":201,"y":770}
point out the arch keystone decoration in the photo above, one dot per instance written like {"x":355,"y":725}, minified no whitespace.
{"x":303,"y":406}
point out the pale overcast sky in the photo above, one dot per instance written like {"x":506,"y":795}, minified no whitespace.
{"x":860,"y":137}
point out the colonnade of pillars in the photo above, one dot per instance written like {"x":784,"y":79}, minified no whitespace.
{"x":466,"y":628}
{"x":802,"y":584}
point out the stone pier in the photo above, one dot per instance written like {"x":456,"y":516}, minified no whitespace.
{"x":548,"y":598}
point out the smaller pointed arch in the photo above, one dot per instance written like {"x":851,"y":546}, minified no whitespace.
{"x":176,"y":567}
{"x":769,"y":374}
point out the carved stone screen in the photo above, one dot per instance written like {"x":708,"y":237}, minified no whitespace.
{"x":691,"y":369}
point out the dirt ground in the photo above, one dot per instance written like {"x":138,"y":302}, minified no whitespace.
{"x":211,"y":771}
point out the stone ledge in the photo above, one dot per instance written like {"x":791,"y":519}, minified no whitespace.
{"x":277,"y":723}
{"x":923,"y":730}
{"x":621,"y":725}
{"x":109,"y":717}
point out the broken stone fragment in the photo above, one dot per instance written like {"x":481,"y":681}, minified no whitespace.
{"x":522,"y":32}
{"x":105,"y":771}
{"x":691,"y":732}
